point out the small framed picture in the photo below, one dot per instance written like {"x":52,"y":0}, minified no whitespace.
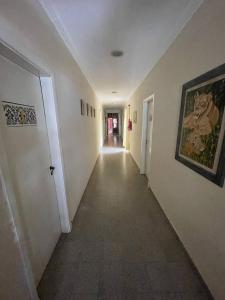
{"x":94,"y":112}
{"x":91,"y":111}
{"x":135,"y":117}
{"x":82,"y":107}
{"x":87,"y":109}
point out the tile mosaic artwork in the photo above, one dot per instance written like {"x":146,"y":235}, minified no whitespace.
{"x":19,"y":114}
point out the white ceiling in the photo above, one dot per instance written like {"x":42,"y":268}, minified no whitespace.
{"x":143,"y":29}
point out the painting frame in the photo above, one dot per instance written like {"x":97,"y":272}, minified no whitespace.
{"x":82,"y":107}
{"x":201,"y":83}
{"x":87,"y":109}
{"x":135,"y":117}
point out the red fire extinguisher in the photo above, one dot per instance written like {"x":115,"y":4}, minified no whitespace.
{"x":129,"y":120}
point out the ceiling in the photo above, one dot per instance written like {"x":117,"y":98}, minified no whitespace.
{"x":142,"y":29}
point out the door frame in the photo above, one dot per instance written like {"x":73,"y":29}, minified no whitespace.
{"x":52,"y":122}
{"x":146,"y":102}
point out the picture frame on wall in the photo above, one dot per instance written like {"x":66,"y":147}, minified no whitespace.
{"x":82,"y":107}
{"x":135,"y":117}
{"x":94,"y":112}
{"x":87,"y":109}
{"x":91,"y":111}
{"x":201,"y":129}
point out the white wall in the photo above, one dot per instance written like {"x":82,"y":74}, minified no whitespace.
{"x":194,"y":205}
{"x":25,"y":27}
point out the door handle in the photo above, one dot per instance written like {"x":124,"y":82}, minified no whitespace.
{"x":52,"y":168}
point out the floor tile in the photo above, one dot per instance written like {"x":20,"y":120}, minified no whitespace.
{"x":121,"y":245}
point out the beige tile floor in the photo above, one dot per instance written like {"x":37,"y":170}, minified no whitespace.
{"x":121,"y":246}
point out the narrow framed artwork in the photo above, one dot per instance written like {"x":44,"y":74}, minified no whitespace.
{"x":135,"y":117}
{"x":82,"y":109}
{"x":200,"y":140}
{"x":91,"y":111}
{"x":87,"y":109}
{"x":94,"y":112}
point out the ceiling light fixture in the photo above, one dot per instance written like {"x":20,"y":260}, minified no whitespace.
{"x":117,"y":53}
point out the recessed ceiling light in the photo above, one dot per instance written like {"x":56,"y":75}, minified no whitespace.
{"x":117,"y":53}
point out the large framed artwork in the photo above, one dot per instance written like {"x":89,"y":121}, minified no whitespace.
{"x":200,"y":140}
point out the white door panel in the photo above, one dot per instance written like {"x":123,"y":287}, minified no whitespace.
{"x":28,"y":154}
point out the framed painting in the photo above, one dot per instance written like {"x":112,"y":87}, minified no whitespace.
{"x":82,"y":107}
{"x":91,"y":111}
{"x":87,"y":109}
{"x":200,"y":140}
{"x":135,"y":117}
{"x":94,"y":112}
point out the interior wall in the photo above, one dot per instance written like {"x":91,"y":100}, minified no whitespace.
{"x":25,"y":26}
{"x":194,"y":205}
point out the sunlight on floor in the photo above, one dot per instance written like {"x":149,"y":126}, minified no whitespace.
{"x":112,"y":150}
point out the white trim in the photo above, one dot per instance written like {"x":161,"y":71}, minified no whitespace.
{"x":146,"y":102}
{"x":55,"y":150}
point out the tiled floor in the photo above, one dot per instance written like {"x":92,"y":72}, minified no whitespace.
{"x":121,"y":246}
{"x":113,"y":141}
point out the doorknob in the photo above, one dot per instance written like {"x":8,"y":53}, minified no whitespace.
{"x":52,"y":170}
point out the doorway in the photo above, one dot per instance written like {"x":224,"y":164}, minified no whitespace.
{"x":112,"y":124}
{"x":26,"y":143}
{"x":147,"y":128}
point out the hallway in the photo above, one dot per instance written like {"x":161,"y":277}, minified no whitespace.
{"x":121,"y":246}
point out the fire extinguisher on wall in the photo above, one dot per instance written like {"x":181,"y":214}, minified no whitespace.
{"x":129,"y":120}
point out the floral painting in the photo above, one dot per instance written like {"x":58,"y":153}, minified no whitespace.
{"x":200,"y":141}
{"x":19,"y":114}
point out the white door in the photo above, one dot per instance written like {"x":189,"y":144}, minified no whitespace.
{"x":148,"y":139}
{"x":28,"y":154}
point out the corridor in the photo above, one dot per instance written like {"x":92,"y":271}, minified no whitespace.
{"x":121,"y":246}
